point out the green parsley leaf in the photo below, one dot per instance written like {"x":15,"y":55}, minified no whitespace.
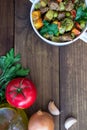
{"x":81,"y":14}
{"x":49,"y":28}
{"x":10,"y":69}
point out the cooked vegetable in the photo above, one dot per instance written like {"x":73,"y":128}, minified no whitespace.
{"x":62,"y":29}
{"x":61,"y":5}
{"x":43,"y":3}
{"x":61,"y":17}
{"x":49,"y":15}
{"x":38,"y":23}
{"x":76,"y":31}
{"x":36,"y":15}
{"x":59,"y":0}
{"x":75,"y":1}
{"x":10,"y":68}
{"x":55,"y":15}
{"x":21,"y":93}
{"x":73,"y":13}
{"x":78,"y":25}
{"x":82,"y":24}
{"x":59,"y":24}
{"x":37,"y":6}
{"x":68,"y":14}
{"x":68,"y":24}
{"x":73,"y":35}
{"x":41,"y":121}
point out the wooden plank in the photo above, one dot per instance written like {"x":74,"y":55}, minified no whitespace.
{"x":73,"y":84}
{"x":42,"y":59}
{"x":6,"y":25}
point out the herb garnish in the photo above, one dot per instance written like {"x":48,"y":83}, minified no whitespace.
{"x":10,"y":68}
{"x":49,"y":28}
{"x":81,"y":14}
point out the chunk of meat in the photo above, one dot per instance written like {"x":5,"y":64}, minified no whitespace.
{"x":53,"y":5}
{"x":44,"y":10}
{"x":61,"y":15}
{"x":69,"y":6}
{"x":65,"y":37}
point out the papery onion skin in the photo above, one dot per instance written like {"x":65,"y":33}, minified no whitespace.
{"x":41,"y":121}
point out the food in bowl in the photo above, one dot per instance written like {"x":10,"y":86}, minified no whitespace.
{"x":59,"y":20}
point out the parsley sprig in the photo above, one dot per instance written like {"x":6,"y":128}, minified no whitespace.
{"x":81,"y":14}
{"x":49,"y":28}
{"x":10,"y":68}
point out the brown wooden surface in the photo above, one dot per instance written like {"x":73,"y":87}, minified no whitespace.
{"x":73,"y":84}
{"x":60,"y":74}
{"x":6,"y":25}
{"x":41,"y":58}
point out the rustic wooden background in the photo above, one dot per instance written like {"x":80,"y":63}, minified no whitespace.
{"x":60,"y":73}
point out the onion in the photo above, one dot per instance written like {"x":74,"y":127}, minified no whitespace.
{"x":41,"y":121}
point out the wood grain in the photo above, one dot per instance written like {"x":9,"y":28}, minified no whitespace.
{"x":73,"y":84}
{"x":6,"y":25}
{"x":60,"y":74}
{"x":42,"y":59}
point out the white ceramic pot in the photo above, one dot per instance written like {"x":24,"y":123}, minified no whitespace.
{"x":82,"y":36}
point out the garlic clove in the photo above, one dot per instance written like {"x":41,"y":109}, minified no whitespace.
{"x":53,"y":108}
{"x":69,"y":122}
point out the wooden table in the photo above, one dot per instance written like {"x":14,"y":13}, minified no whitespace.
{"x":60,"y":73}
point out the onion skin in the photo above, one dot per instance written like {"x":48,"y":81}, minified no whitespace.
{"x":41,"y":121}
